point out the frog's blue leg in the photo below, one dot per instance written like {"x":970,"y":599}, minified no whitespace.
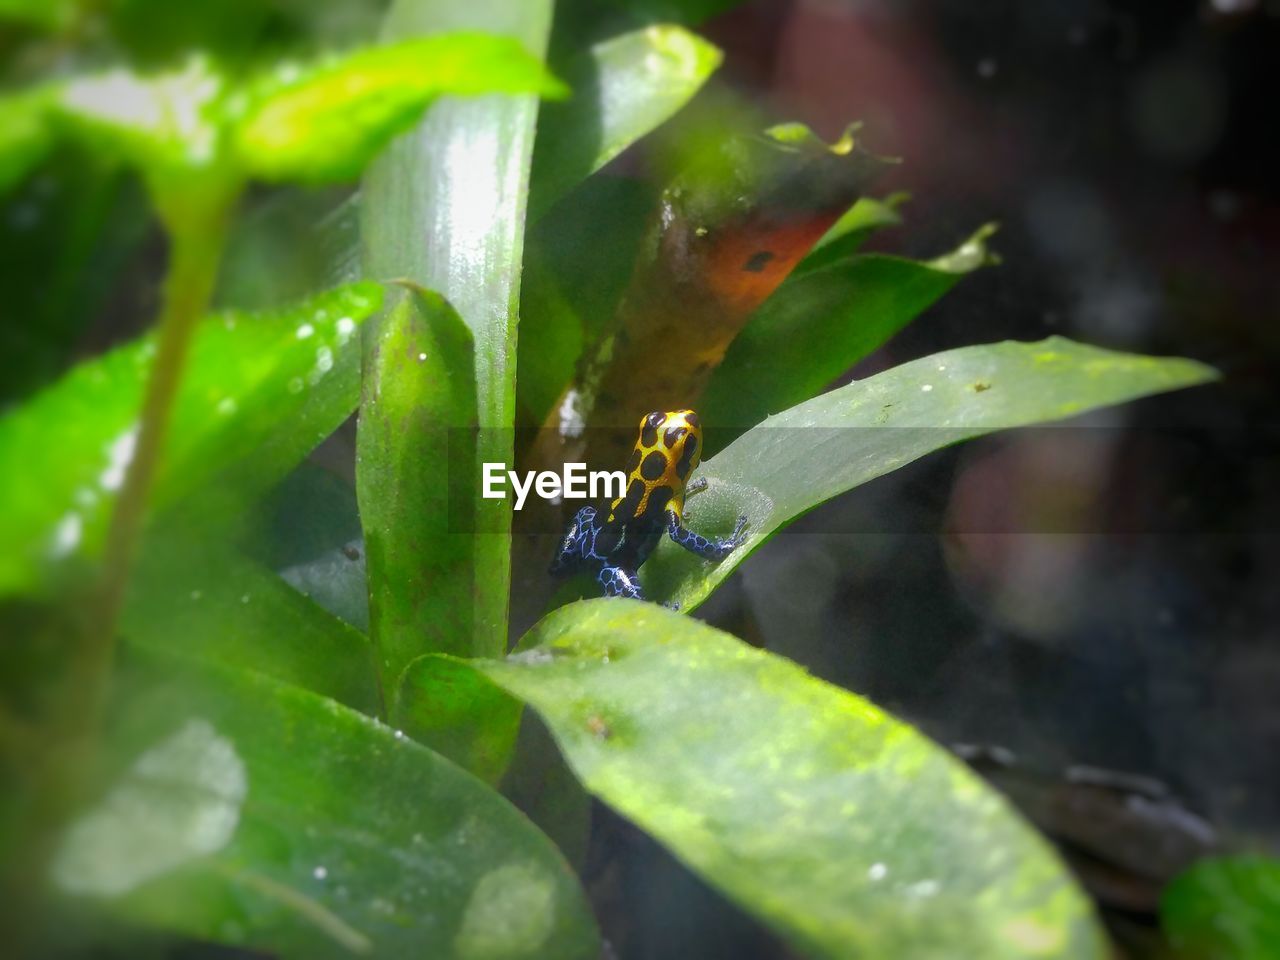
{"x":578,"y":544}
{"x":618,"y":582}
{"x":696,"y":543}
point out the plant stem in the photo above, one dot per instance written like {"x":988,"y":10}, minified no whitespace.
{"x":193,"y":269}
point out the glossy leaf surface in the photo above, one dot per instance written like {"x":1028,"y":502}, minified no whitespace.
{"x":845,"y":830}
{"x":255,"y":814}
{"x":444,"y":207}
{"x":832,"y":443}
{"x":260,"y":391}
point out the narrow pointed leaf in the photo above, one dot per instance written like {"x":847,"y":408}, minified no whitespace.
{"x":444,"y":207}
{"x":259,"y":815}
{"x":848,"y":832}
{"x":419,"y":397}
{"x":852,"y":230}
{"x":260,"y":391}
{"x":625,"y":87}
{"x":832,"y":443}
{"x":818,"y":325}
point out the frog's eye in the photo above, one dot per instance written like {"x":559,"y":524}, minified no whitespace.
{"x":655,"y":419}
{"x":691,"y":418}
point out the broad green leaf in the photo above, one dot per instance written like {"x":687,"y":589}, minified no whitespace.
{"x":203,"y":598}
{"x":847,"y":831}
{"x":832,"y":443}
{"x":330,"y":121}
{"x":259,"y":392}
{"x":625,"y":87}
{"x":419,"y":398}
{"x":1225,"y":909}
{"x":25,"y":136}
{"x":444,"y":207}
{"x":446,"y":706}
{"x":817,"y":326}
{"x":263,"y":816}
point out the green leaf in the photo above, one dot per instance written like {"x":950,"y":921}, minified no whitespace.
{"x":45,"y":14}
{"x":171,"y":127}
{"x":419,"y":399}
{"x":308,"y":531}
{"x":845,"y":830}
{"x":447,"y":706}
{"x":625,"y":87}
{"x":834,"y":442}
{"x":1225,"y":909}
{"x":852,"y":230}
{"x":444,"y":207}
{"x":216,"y":604}
{"x":572,"y":283}
{"x":25,"y":137}
{"x":260,"y":391}
{"x":260,"y":815}
{"x":330,"y":121}
{"x":818,"y":325}
{"x":684,"y":11}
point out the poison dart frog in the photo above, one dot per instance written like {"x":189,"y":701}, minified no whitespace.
{"x":666,"y":452}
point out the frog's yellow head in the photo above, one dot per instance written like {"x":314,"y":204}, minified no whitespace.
{"x":666,"y":452}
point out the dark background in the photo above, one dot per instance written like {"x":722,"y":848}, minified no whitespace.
{"x":1091,"y":611}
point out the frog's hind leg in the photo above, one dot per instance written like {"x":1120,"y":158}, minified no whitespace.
{"x":618,"y":582}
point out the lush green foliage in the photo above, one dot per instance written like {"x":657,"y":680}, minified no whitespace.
{"x":812,"y":808}
{"x":272,"y":769}
{"x":1226,"y":907}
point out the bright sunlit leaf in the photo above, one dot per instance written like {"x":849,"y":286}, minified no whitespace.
{"x":810,"y":453}
{"x":260,"y":391}
{"x":330,"y":121}
{"x":845,"y":830}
